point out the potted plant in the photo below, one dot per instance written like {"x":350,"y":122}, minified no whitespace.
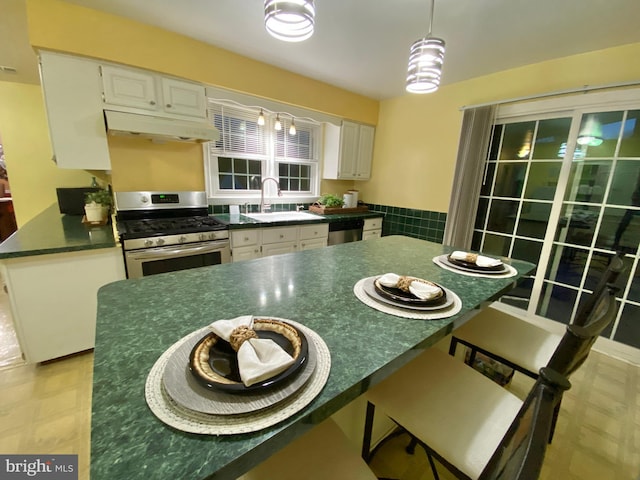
{"x":97,"y":205}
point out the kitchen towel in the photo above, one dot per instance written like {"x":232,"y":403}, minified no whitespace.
{"x":258,"y":358}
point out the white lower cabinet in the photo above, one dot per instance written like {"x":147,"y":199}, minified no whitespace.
{"x":267,"y":241}
{"x":53,"y":299}
{"x":372,"y":228}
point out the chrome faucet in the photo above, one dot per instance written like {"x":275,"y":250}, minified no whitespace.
{"x":264,"y":207}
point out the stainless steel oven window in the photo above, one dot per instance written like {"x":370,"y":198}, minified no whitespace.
{"x":151,"y":261}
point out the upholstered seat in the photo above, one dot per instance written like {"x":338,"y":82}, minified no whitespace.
{"x":460,"y":416}
{"x":459,"y":413}
{"x":322,"y":453}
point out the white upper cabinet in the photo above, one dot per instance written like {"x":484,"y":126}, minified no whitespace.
{"x":164,"y":96}
{"x":72,"y":87}
{"x":348,"y":151}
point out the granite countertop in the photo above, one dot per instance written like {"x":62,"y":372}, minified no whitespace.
{"x":237,"y":222}
{"x":140,"y":319}
{"x":52,"y":232}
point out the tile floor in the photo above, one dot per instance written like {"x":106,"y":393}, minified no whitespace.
{"x":46,"y":409}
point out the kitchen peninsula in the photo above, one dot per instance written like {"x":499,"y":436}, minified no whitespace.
{"x":138,"y":320}
{"x":52,"y":267}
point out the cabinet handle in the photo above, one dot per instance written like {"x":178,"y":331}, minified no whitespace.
{"x":168,"y":105}
{"x":246,"y":239}
{"x":303,"y":245}
{"x":281,"y":236}
{"x":152,"y":102}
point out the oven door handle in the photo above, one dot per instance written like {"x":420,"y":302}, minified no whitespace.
{"x":168,"y":251}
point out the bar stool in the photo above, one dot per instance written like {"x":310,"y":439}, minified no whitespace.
{"x":323,"y":453}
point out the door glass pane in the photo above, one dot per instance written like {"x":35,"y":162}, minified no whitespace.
{"x":634,"y":291}
{"x":630,"y":146}
{"x":520,"y":295}
{"x":542,"y":181}
{"x":588,"y":180}
{"x":599,"y":133}
{"x":620,"y":230}
{"x":551,"y":136}
{"x":516,"y":142}
{"x":527,"y":250}
{"x":577,"y":224}
{"x":481,"y":215}
{"x":496,"y":139}
{"x":496,"y":245}
{"x":556,"y":302}
{"x":534,"y":219}
{"x":566,"y":265}
{"x":628,"y":330}
{"x":502,"y":215}
{"x":625,"y":186}
{"x":485,"y":189}
{"x":510,"y":179}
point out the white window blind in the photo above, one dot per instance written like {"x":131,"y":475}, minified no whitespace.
{"x":239,"y":132}
{"x":300,"y":147}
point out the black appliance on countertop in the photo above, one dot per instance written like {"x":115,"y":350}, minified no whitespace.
{"x":71,"y":200}
{"x":168,"y":231}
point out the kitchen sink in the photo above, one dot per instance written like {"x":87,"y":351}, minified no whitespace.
{"x":284,"y":216}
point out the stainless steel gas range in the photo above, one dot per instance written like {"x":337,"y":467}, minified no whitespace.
{"x":168,"y":231}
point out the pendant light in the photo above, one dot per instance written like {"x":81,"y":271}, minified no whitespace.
{"x":278,"y":124}
{"x":291,"y":21}
{"x":292,"y":128}
{"x":426,"y":57}
{"x":591,"y":132}
{"x":261,"y":118}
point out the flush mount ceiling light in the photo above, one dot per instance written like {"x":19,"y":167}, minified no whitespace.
{"x":426,"y":57}
{"x":291,"y":21}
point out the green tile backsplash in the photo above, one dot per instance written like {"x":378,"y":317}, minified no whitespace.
{"x":422,"y":224}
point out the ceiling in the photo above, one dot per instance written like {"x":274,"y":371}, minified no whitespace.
{"x":363,"y":45}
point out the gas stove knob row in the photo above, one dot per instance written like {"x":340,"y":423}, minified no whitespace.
{"x":182,"y":239}
{"x":160,"y":241}
{"x":148,"y":243}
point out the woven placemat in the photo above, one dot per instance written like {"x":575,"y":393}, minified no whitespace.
{"x":182,"y":387}
{"x":180,"y":418}
{"x":512,"y":272}
{"x":361,"y":294}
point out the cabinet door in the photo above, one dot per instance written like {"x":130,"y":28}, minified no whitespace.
{"x":129,"y":88}
{"x":368,"y":235}
{"x":365,"y":152}
{"x":372,"y":223}
{"x":183,"y":98}
{"x":243,"y":238}
{"x":278,"y":248}
{"x":348,"y":150}
{"x":308,"y":232}
{"x":279,"y":235}
{"x":245,"y":253}
{"x":311,"y":243}
{"x":71,"y":88}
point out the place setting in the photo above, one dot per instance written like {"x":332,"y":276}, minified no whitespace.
{"x":238,"y":375}
{"x":407,"y":296}
{"x":474,"y":265}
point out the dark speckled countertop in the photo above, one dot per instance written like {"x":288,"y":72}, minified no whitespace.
{"x":237,"y":222}
{"x":51,"y":232}
{"x":139,"y":319}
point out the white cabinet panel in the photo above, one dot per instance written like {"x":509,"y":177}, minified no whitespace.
{"x":183,"y":98}
{"x":54,"y":299}
{"x":372,"y":228}
{"x":71,"y":87}
{"x":278,"y":248}
{"x":279,"y":235}
{"x":312,"y":243}
{"x":129,"y":88}
{"x":348,"y":151}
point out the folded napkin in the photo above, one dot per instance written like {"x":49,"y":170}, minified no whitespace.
{"x":479,"y":260}
{"x":423,"y":291}
{"x":258,"y":358}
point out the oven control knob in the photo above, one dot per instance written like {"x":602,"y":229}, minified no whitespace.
{"x":148,"y":243}
{"x":160,"y":241}
{"x":182,"y":239}
{"x":212,"y":236}
{"x":144,"y":199}
{"x":202,"y":236}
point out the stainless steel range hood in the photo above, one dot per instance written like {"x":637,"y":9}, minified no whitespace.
{"x":159,"y":128}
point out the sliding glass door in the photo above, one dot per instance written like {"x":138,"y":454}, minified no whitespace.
{"x":563,"y":191}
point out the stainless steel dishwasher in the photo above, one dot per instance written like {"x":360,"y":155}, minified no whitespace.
{"x":344,"y":231}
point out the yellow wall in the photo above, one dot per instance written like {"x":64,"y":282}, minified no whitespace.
{"x":417,"y":135}
{"x":25,"y":138}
